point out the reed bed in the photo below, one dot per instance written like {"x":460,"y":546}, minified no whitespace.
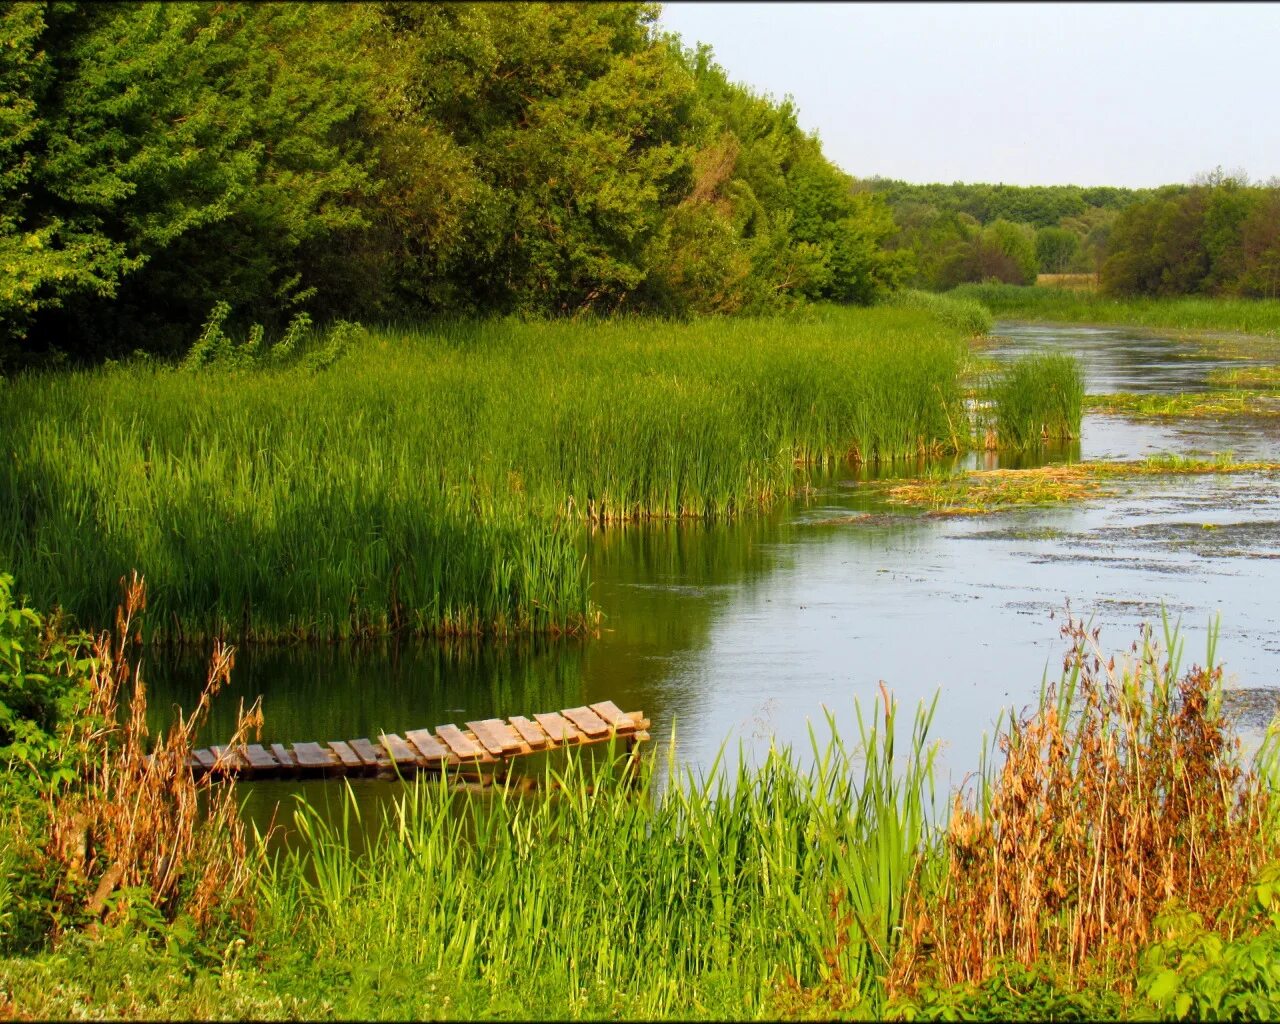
{"x":1195,"y":314}
{"x":599,"y":893}
{"x":1036,"y":399}
{"x":435,"y":481}
{"x":1121,"y":796}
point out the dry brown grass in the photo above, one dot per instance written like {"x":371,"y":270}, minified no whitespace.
{"x":1072,"y":282}
{"x":1121,"y":793}
{"x":138,"y":824}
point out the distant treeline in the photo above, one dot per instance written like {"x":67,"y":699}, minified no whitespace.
{"x":396,"y":160}
{"x":1009,"y":233}
{"x":1220,"y":237}
{"x":1217,"y":236}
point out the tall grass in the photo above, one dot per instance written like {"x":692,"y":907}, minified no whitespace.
{"x":712,"y":894}
{"x":1036,"y":399}
{"x":1122,"y":794}
{"x":967,"y":314}
{"x":433,"y":480}
{"x":1191,"y":313}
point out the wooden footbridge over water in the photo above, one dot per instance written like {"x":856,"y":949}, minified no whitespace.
{"x":489,"y":742}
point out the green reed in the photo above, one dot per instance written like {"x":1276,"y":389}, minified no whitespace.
{"x":601,"y":893}
{"x":1037,"y":398}
{"x":435,"y":480}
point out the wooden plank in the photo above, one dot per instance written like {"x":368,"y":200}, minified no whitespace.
{"x":400,"y":751}
{"x":459,"y":743}
{"x":530,"y":732}
{"x":373,"y":756}
{"x":259,"y":759}
{"x":613,"y":716}
{"x":231,"y":761}
{"x":559,"y":729}
{"x":496,"y":736}
{"x":432,"y":750}
{"x":312,"y":755}
{"x":281,"y":754}
{"x":349,"y":758}
{"x":587,"y":720}
{"x":206,"y":758}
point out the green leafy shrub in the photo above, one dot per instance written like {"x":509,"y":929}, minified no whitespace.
{"x":41,"y":687}
{"x":1193,"y":973}
{"x":216,"y":349}
{"x":1012,"y":992}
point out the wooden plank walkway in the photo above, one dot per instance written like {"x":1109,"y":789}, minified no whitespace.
{"x":484,"y":742}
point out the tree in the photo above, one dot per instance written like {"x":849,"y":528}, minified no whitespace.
{"x":1056,"y":249}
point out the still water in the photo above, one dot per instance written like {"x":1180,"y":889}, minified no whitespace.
{"x":752,"y":632}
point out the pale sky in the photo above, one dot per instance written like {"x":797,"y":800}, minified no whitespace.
{"x":1038,"y":94}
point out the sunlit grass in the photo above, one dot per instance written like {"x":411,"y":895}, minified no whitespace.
{"x":1186,"y":404}
{"x":436,"y":480}
{"x":1032,"y":302}
{"x":612,"y":894}
{"x":985,"y":491}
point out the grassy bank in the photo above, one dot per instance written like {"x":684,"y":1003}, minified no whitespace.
{"x":1031,"y":302}
{"x":434,"y":481}
{"x":1111,"y":859}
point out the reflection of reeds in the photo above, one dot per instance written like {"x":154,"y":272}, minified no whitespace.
{"x":1120,"y":793}
{"x":137,"y":826}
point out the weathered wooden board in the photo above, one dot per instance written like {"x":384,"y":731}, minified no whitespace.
{"x":530,"y":732}
{"x":587,"y":721}
{"x":281,"y":754}
{"x":349,"y":758}
{"x":259,"y":759}
{"x":496,"y":736}
{"x":312,"y":755}
{"x":459,"y":742}
{"x":207,"y":758}
{"x":559,"y":729}
{"x":613,"y":716}
{"x":404,"y":755}
{"x":229,"y":759}
{"x":432,"y":750}
{"x":374,"y":757}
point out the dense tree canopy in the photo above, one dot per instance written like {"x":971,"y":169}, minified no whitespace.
{"x":396,"y":160}
{"x":1219,"y":237}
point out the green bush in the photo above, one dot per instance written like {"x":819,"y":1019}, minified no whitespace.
{"x":40,"y":688}
{"x":1013,"y":992}
{"x":1193,"y":973}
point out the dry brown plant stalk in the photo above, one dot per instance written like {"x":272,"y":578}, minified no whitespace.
{"x":1121,"y":793}
{"x":140,"y":820}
